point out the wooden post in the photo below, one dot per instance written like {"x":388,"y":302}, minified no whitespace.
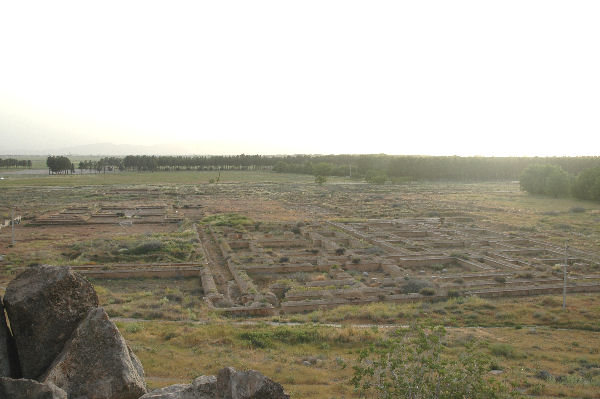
{"x":13,"y":227}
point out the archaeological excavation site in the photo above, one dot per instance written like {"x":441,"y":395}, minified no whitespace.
{"x":292,"y":279}
{"x":320,"y":256}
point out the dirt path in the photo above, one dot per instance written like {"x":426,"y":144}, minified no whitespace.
{"x":333,"y":325}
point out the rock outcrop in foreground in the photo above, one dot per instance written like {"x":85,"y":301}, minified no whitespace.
{"x":228,"y":384}
{"x":8,"y":356}
{"x":66,"y":347}
{"x":95,"y":354}
{"x":44,"y":305}
{"x":29,"y":389}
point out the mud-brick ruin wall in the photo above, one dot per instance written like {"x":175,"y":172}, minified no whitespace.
{"x":144,"y":273}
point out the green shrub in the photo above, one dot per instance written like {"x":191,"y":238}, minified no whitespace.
{"x":320,"y":180}
{"x":550,"y":302}
{"x":147,"y":247}
{"x":257,"y":339}
{"x":133,"y":328}
{"x":587,"y":185}
{"x":414,"y":286}
{"x":545,"y":179}
{"x":283,"y":334}
{"x":376,"y":177}
{"x":411,"y":364}
{"x":505,"y":350}
{"x":228,"y":219}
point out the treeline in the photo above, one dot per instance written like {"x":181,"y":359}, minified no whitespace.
{"x":545,"y":179}
{"x":59,"y":164}
{"x":554,"y":181}
{"x":373,"y":168}
{"x":587,"y":185}
{"x":174,"y":163}
{"x":15,"y":163}
{"x":426,"y":168}
{"x":141,"y":163}
{"x":107,"y":164}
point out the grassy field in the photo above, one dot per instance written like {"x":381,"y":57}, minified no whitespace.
{"x":181,"y":177}
{"x":542,"y":350}
{"x":583,"y":313}
{"x":153,"y":299}
{"x":315,"y":361}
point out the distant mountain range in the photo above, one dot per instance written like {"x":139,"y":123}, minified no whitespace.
{"x":117,"y":149}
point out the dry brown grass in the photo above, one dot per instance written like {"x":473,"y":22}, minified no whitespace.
{"x":563,"y":344}
{"x":177,"y":353}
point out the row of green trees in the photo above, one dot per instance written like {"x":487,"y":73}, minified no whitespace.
{"x":103,"y":165}
{"x":15,"y":163}
{"x":173,"y":163}
{"x":587,"y":185}
{"x":426,"y":168}
{"x":312,"y":168}
{"x":550,"y":176}
{"x":554,"y":181}
{"x":59,"y":164}
{"x":361,"y":166}
{"x":142,"y":163}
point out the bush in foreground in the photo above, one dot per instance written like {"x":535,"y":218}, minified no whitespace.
{"x":412,"y":364}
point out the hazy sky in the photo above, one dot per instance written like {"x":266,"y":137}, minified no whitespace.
{"x":418,"y":77}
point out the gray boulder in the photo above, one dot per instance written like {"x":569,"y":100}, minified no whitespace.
{"x":4,"y":337}
{"x":228,"y":384}
{"x":250,"y":384}
{"x":170,"y":392}
{"x":8,"y":362}
{"x":204,"y":387}
{"x":96,"y":363}
{"x":44,"y":305}
{"x":29,"y":389}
